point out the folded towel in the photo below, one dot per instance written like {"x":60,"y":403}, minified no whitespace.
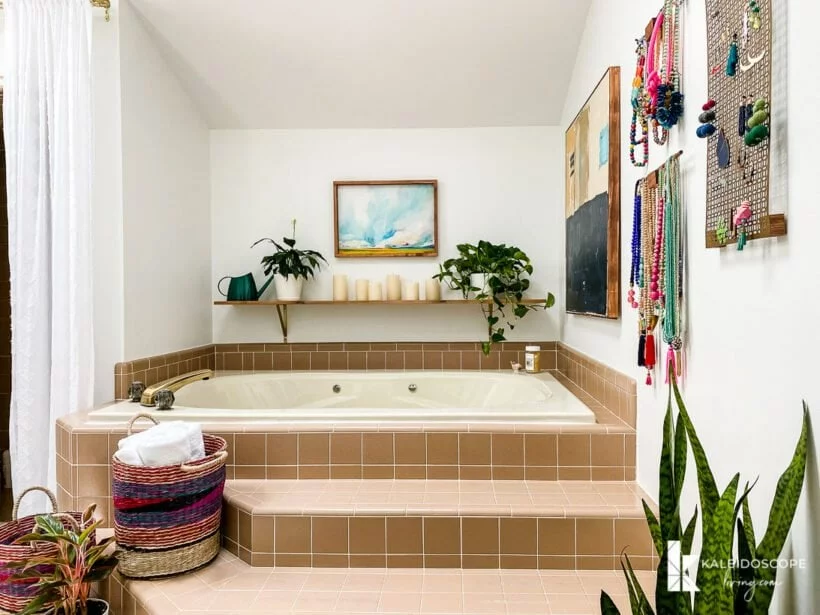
{"x":166,"y":444}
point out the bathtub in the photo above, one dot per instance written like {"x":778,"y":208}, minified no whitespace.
{"x":424,"y":396}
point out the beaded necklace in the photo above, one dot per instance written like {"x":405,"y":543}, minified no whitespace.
{"x":673,"y":286}
{"x":669,"y":99}
{"x":652,"y":78}
{"x":638,"y":115}
{"x":657,"y":263}
{"x":635,"y":269}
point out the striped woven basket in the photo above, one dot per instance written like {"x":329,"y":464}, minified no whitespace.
{"x":15,"y":594}
{"x":167,"y":519}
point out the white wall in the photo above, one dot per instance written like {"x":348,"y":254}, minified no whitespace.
{"x":752,"y":331}
{"x":107,"y":250}
{"x":166,"y":198}
{"x":499,"y":184}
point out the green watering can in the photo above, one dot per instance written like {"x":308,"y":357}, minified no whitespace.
{"x":242,"y":288}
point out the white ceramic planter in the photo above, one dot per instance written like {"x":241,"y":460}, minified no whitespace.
{"x":288,"y":289}
{"x":479,"y":280}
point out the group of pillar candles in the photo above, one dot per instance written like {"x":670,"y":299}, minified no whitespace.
{"x":392,"y":290}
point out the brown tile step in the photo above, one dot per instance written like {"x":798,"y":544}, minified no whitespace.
{"x":368,"y":497}
{"x":230,"y":587}
{"x":435,"y":524}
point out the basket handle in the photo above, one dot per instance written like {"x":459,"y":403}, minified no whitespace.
{"x":29,"y":490}
{"x":141,"y":415}
{"x":218,"y":459}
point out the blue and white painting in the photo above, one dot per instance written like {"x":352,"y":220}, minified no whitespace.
{"x":389,"y":219}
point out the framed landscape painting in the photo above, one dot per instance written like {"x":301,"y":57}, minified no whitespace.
{"x":593,"y":202}
{"x":386,"y":217}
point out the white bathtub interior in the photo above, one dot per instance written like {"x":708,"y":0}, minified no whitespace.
{"x":368,"y":396}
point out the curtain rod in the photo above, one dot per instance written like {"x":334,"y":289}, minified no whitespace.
{"x":100,"y":4}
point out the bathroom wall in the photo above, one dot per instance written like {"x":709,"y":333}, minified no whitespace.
{"x":499,"y":184}
{"x":751,"y":332}
{"x":166,"y":198}
{"x":107,"y":213}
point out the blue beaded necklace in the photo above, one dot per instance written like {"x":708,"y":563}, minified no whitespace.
{"x":635,"y":271}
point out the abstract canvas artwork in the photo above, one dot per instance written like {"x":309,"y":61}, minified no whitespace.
{"x":593,"y":187}
{"x":386,"y":218}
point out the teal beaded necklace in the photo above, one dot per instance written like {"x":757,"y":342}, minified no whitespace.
{"x":673,"y":252}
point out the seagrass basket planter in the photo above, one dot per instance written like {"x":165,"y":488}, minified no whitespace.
{"x":167,"y":519}
{"x":15,"y":594}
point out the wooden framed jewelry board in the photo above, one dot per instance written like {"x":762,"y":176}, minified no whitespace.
{"x":747,"y":177}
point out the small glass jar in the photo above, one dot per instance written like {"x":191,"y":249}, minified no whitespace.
{"x":532,"y":359}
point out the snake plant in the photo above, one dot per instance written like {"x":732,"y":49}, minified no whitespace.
{"x":723,"y":515}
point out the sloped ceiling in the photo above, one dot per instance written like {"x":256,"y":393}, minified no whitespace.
{"x":370,"y":63}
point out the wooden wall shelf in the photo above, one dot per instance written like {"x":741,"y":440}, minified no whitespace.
{"x":282,"y":306}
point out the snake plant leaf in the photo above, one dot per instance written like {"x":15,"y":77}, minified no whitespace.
{"x":781,"y":515}
{"x":637,"y":597}
{"x":707,"y":487}
{"x":689,"y":533}
{"x":715,"y":596}
{"x":743,"y":575}
{"x":607,"y":605}
{"x":748,"y":527}
{"x":654,"y":528}
{"x":667,"y":493}
{"x":681,"y":452}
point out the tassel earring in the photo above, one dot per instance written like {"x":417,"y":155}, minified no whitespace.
{"x":734,"y":58}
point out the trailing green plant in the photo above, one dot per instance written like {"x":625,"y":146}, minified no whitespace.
{"x":507,"y":270}
{"x":290,"y":261}
{"x":749,"y":589}
{"x":65,"y":577}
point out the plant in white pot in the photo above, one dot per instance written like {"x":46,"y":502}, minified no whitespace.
{"x":290,"y":266}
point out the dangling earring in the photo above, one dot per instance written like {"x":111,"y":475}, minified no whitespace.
{"x":754,"y":19}
{"x":732,"y":62}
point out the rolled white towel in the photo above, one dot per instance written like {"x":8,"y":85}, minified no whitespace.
{"x":165,"y":444}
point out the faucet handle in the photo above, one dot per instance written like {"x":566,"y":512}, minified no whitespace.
{"x":135,"y":390}
{"x":164,"y":399}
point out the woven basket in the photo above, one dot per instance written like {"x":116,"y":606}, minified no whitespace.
{"x":16,"y":594}
{"x":167,"y":519}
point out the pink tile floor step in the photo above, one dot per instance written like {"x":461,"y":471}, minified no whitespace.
{"x":231,"y":587}
{"x":437,"y":524}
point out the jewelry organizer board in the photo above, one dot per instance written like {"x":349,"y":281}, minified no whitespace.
{"x":747,"y":177}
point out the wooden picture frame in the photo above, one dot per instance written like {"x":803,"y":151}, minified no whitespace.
{"x":409,"y":226}
{"x":592,"y":172}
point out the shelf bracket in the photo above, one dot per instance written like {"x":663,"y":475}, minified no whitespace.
{"x":282,"y":313}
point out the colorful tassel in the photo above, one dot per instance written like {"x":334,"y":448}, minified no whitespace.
{"x":671,"y":365}
{"x":649,"y":355}
{"x":732,"y":62}
{"x":641,"y":350}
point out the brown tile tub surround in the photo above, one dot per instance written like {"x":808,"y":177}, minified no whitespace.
{"x":151,"y":370}
{"x":377,"y":356}
{"x":617,"y":392}
{"x":336,"y":356}
{"x":606,"y":453}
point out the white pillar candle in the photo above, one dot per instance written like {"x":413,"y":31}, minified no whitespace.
{"x":432,"y":290}
{"x":393,"y":287}
{"x":375,"y":291}
{"x":340,"y":287}
{"x":411,"y":291}
{"x":361,"y":290}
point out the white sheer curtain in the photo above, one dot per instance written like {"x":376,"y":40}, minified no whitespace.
{"x":49,"y":158}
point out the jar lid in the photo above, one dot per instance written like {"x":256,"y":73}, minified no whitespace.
{"x":532,"y":348}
